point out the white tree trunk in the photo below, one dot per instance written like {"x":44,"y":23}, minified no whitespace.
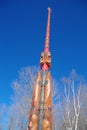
{"x":77,"y":104}
{"x":76,"y":123}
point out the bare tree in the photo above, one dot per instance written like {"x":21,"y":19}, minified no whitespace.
{"x":21,"y":99}
{"x":66,"y":107}
{"x":56,"y":95}
{"x":74,"y":97}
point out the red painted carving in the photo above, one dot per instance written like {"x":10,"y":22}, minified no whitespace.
{"x":45,"y":59}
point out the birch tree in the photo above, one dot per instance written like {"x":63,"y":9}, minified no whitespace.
{"x":78,"y":98}
{"x":74,"y":97}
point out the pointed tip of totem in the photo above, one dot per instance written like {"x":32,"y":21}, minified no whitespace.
{"x":49,"y":9}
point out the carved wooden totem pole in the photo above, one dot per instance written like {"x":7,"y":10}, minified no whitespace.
{"x":40,"y":117}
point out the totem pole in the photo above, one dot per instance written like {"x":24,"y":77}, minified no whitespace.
{"x":40,"y":117}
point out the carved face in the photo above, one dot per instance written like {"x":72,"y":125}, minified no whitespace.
{"x":46,"y":125}
{"x":45,"y":58}
{"x":33,"y":122}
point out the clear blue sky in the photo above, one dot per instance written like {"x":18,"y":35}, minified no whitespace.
{"x":22,"y":34}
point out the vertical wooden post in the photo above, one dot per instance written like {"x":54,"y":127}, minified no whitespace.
{"x":41,"y":108}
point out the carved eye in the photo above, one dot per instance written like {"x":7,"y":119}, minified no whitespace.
{"x":49,"y":55}
{"x":42,"y":55}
